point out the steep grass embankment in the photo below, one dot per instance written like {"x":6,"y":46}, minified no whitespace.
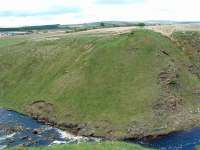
{"x":118,"y":86}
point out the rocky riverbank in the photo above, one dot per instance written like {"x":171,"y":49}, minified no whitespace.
{"x":20,"y":130}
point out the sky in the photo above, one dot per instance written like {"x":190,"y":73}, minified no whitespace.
{"x":40,"y":12}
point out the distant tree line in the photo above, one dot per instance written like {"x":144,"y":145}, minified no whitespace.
{"x":141,"y":24}
{"x":29,"y":28}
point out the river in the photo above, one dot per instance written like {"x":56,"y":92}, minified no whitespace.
{"x":19,"y":130}
{"x":184,"y":140}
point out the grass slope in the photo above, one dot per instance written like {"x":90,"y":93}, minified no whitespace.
{"x":115,"y":86}
{"x":89,"y":146}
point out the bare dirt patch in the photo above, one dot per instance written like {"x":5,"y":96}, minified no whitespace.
{"x":40,"y":110}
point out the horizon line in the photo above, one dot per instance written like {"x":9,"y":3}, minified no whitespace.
{"x":141,"y":21}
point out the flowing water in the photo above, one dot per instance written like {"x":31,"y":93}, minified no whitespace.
{"x":184,"y":140}
{"x":17,"y":130}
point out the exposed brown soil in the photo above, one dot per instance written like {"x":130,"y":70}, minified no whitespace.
{"x":40,"y":110}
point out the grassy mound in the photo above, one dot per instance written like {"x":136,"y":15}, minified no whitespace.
{"x":115,"y":86}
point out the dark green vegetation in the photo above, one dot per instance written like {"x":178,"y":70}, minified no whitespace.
{"x":90,"y":146}
{"x":114,"y":86}
{"x":141,"y":24}
{"x":28,"y":28}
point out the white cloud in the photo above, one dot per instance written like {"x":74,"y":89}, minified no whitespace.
{"x":91,"y":10}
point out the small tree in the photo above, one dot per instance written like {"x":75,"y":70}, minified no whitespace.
{"x":102,"y":24}
{"x":141,"y":24}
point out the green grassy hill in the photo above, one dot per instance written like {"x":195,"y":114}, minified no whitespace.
{"x":115,"y":86}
